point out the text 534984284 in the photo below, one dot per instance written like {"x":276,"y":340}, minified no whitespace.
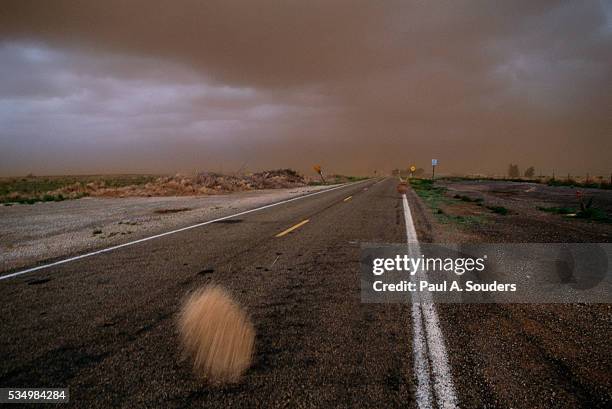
{"x":33,"y":395}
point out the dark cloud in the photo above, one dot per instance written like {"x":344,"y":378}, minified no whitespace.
{"x":357,"y":85}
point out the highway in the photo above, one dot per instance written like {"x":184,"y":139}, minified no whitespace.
{"x":105,"y":325}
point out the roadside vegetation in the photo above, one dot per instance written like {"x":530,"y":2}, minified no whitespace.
{"x":464,"y":198}
{"x":437,"y":200}
{"x":499,"y":210}
{"x":596,"y":183}
{"x":336,"y":179}
{"x":585,"y":211}
{"x":33,"y":189}
{"x":440,"y":202}
{"x":573,"y":183}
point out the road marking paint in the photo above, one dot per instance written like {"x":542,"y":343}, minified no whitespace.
{"x":292,"y":228}
{"x":106,"y":250}
{"x":411,"y":235}
{"x":425,"y":322}
{"x":347,"y":199}
{"x":440,"y":368}
{"x":421,"y":362}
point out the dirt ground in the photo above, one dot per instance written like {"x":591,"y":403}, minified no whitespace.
{"x":470,"y":208}
{"x":559,"y":352}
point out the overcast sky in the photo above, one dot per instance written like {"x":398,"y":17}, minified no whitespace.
{"x":167,"y":86}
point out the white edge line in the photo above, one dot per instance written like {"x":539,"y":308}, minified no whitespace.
{"x":106,"y":250}
{"x":440,"y":368}
{"x":425,"y":315}
{"x":421,"y":363}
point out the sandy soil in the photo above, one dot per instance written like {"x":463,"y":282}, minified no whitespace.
{"x":48,"y":230}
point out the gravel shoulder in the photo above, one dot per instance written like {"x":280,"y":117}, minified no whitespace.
{"x":43,"y":231}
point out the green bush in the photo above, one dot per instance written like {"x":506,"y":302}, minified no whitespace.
{"x":557,"y":210}
{"x":498,"y":209}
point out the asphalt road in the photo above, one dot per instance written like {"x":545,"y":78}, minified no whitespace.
{"x":104,"y":326}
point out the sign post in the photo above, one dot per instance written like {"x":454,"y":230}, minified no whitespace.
{"x":319,"y":170}
{"x":434,"y":163}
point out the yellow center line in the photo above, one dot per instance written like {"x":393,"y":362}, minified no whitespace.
{"x":292,"y":228}
{"x":347,"y":199}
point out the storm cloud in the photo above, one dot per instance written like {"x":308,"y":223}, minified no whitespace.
{"x":159,"y":86}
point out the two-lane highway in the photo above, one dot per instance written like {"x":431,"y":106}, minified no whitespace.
{"x":104,"y":326}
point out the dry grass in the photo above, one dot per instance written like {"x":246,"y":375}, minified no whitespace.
{"x":35,"y":189}
{"x":217,"y":335}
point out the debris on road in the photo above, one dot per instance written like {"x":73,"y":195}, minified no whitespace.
{"x":217,"y":334}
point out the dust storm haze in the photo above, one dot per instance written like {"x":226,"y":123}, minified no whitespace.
{"x":160,"y":86}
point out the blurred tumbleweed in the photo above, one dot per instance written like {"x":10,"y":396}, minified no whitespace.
{"x":217,"y":334}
